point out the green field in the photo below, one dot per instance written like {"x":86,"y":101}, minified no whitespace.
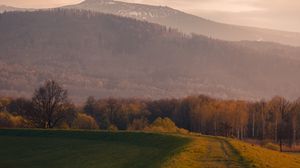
{"x":79,"y":149}
{"x":95,"y":149}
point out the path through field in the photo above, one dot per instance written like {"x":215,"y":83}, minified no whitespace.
{"x":208,"y":152}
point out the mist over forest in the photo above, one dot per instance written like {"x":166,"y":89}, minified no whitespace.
{"x":103,"y":55}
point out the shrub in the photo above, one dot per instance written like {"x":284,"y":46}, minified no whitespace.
{"x":165,"y":125}
{"x":112,"y":128}
{"x":271,"y":146}
{"x":4,"y":102}
{"x":5,"y":121}
{"x":9,"y":121}
{"x":63,"y":125}
{"x":19,"y":122}
{"x":182,"y":131}
{"x":84,"y":121}
{"x":138,"y":124}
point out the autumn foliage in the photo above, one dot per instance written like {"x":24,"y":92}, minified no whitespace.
{"x":275,"y":120}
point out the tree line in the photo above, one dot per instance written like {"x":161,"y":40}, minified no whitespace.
{"x":50,"y":107}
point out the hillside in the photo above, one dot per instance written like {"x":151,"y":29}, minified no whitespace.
{"x":103,"y":55}
{"x":188,"y":23}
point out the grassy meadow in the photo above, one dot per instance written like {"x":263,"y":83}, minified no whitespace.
{"x":96,"y":149}
{"x":208,"y":152}
{"x":82,"y":149}
{"x":220,"y":152}
{"x":265,"y":158}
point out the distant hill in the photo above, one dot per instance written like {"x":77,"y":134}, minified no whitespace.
{"x":103,"y":55}
{"x":188,"y":23}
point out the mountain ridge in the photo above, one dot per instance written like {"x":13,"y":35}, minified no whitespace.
{"x":4,"y":8}
{"x":188,"y":23}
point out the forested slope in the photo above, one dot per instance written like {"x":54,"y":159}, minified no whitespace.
{"x":103,"y":55}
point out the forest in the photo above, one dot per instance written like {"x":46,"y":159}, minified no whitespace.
{"x":275,"y":120}
{"x":102,"y":55}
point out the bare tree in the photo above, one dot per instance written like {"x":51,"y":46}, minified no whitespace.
{"x":50,"y":105}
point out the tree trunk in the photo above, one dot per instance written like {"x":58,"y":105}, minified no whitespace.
{"x":294,"y":136}
{"x":276,"y":129}
{"x":280,"y":144}
{"x":253,"y":125}
{"x":263,"y":129}
{"x":294,"y":118}
{"x":215,"y":127}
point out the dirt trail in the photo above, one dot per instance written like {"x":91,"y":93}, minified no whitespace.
{"x":209,"y":152}
{"x":220,"y":153}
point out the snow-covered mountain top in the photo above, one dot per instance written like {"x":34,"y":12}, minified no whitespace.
{"x":138,"y":11}
{"x":4,"y":8}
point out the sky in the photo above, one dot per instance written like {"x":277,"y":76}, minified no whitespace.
{"x":274,"y":14}
{"x":38,"y":3}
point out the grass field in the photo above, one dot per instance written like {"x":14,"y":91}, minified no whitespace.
{"x":79,"y":149}
{"x":265,"y":158}
{"x":86,"y":149}
{"x":218,"y":152}
{"x":208,"y":152}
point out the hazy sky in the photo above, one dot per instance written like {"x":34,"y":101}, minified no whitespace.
{"x":276,"y":14}
{"x":38,"y":3}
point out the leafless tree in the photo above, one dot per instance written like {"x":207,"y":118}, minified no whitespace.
{"x":50,"y":105}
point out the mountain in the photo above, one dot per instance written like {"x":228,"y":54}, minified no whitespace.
{"x":188,"y":23}
{"x":4,"y":8}
{"x":103,"y":55}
